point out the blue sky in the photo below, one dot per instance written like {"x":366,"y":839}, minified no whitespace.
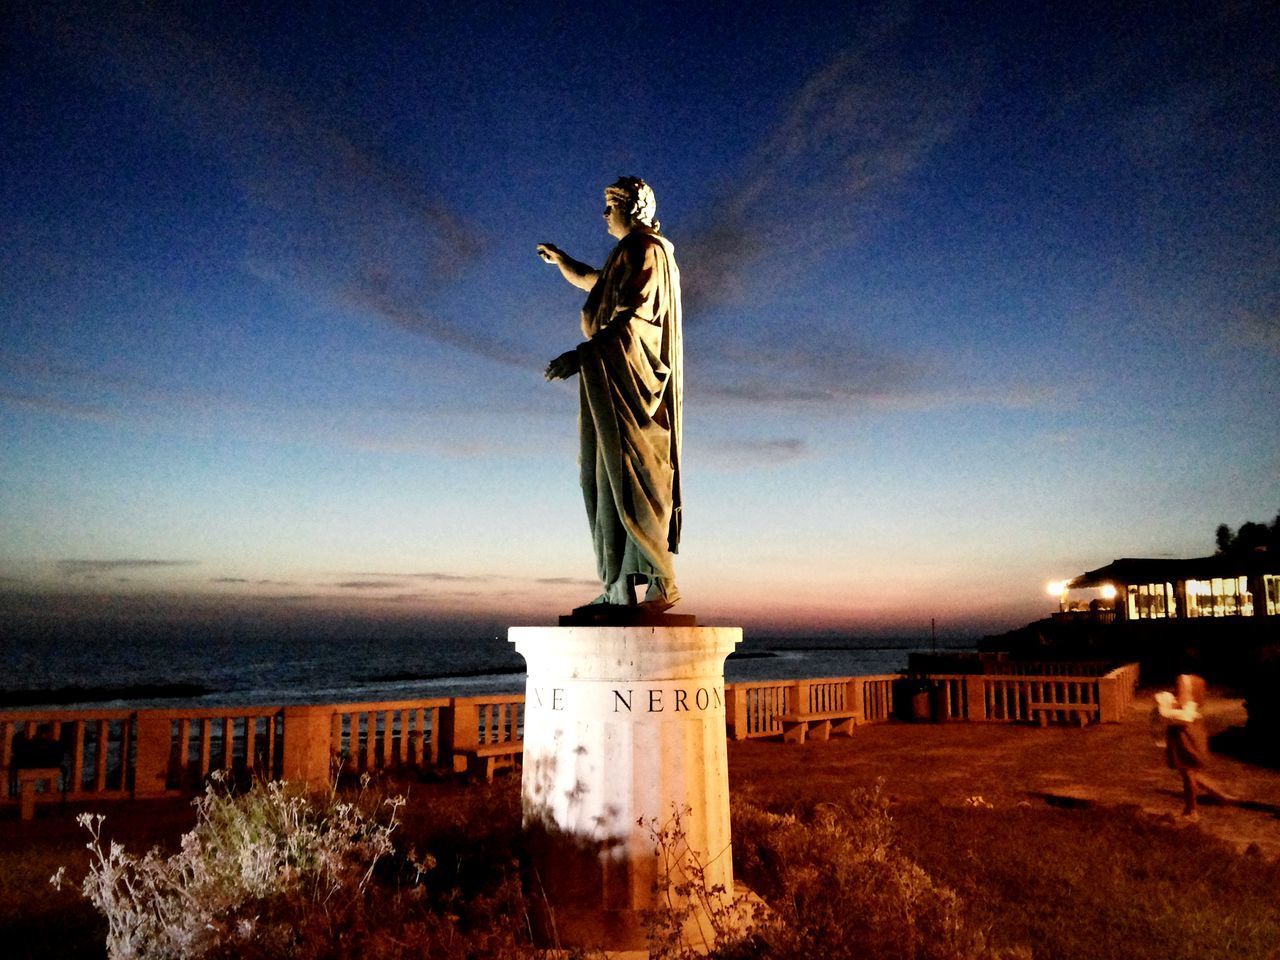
{"x":975,"y":300}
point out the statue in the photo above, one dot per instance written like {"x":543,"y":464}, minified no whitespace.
{"x":631,"y":379}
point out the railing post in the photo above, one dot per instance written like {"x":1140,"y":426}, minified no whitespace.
{"x":460,"y":730}
{"x":799,"y":697}
{"x":735,"y":703}
{"x":1109,"y":699}
{"x":975,"y":697}
{"x":853,"y":700}
{"x":154,"y":746}
{"x":307,"y":739}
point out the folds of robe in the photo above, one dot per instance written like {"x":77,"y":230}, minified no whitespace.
{"x":631,"y":389}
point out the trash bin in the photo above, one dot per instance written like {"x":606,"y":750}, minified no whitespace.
{"x":922,"y":706}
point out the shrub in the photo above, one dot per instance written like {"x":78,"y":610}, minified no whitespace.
{"x":268,"y":842}
{"x":837,"y":885}
{"x":693,"y":917}
{"x":272,"y":873}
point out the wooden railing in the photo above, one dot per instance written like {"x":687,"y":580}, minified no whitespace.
{"x":112,"y":754}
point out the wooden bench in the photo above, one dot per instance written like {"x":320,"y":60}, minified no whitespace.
{"x":797,"y":726}
{"x":489,"y":757}
{"x":1084,"y":712}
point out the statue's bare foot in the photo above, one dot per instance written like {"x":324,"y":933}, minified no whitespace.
{"x":661,"y":595}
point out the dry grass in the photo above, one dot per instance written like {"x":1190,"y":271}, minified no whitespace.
{"x":1102,"y":883}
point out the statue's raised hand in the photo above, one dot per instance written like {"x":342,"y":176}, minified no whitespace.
{"x":563,"y":367}
{"x":551,"y":253}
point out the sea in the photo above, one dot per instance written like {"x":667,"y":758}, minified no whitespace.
{"x":216,"y":671}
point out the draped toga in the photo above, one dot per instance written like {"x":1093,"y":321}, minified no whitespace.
{"x":631,"y":384}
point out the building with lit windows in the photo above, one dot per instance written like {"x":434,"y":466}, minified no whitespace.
{"x":1157,"y":589}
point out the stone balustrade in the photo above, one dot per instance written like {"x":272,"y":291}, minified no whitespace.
{"x":755,"y":708}
{"x":1048,"y":668}
{"x":94,"y":743}
{"x":119,"y":754}
{"x":364,"y":737}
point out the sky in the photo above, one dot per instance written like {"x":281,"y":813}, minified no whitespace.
{"x":976,"y":298}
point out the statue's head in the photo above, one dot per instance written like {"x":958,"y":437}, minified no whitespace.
{"x":633,"y":199}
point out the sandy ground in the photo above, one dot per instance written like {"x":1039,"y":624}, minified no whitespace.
{"x":1008,"y":764}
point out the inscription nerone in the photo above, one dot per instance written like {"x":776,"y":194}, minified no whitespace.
{"x":652,"y":700}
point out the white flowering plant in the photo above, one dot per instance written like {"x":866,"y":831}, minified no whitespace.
{"x":267,"y":842}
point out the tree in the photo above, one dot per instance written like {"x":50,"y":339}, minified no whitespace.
{"x":1250,"y":538}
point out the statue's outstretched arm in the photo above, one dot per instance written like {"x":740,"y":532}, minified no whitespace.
{"x":575,"y":271}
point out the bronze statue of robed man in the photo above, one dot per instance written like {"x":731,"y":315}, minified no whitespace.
{"x":630,"y":383}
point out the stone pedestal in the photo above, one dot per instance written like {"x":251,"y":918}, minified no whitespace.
{"x":624,"y":729}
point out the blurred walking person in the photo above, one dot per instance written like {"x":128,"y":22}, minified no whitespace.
{"x":1187,"y":741}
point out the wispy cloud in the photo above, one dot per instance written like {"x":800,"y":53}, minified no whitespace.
{"x":61,"y":388}
{"x":491,"y":585}
{"x":69,"y":389}
{"x":853,"y":132}
{"x":58,"y":407}
{"x":842,"y":377}
{"x":855,"y":128}
{"x":403,"y":598}
{"x":757,"y":453}
{"x":336,"y":217}
{"x":394,"y":297}
{"x":1260,"y":331}
{"x":331,"y":210}
{"x":825,"y":371}
{"x":462,"y":449}
{"x":244,"y":581}
{"x":433,"y":576}
{"x":85,"y":568}
{"x":566,"y":582}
